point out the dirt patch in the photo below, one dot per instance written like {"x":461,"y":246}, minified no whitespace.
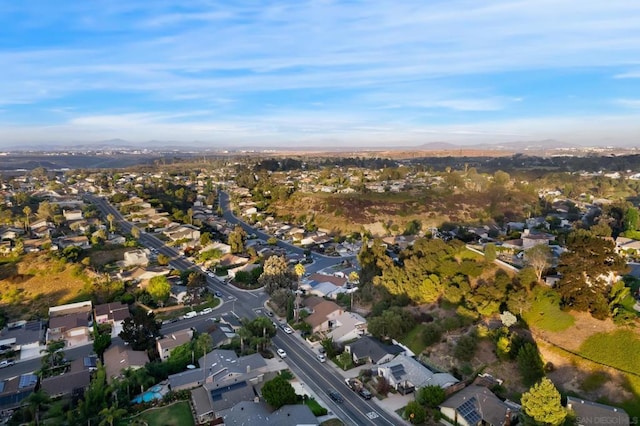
{"x":584,"y":327}
{"x":572,"y":374}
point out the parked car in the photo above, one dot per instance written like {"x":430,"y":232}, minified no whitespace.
{"x":281,"y":353}
{"x":206,"y":311}
{"x":191,"y":314}
{"x":287,"y":329}
{"x":333,"y":394}
{"x":269,"y":313}
{"x":6,"y":363}
{"x":321,"y":358}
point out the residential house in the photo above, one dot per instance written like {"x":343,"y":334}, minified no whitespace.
{"x":138,"y":257}
{"x":589,"y":413}
{"x":324,"y":316}
{"x":368,"y":349}
{"x":406,"y":374}
{"x":322,"y":285}
{"x":202,"y":405}
{"x":477,"y":405}
{"x":118,"y":358}
{"x":231,"y":320}
{"x":71,"y":215}
{"x":221,"y":366}
{"x":348,"y":326}
{"x":530,"y":240}
{"x":72,"y":383}
{"x":250,"y":412}
{"x":627,"y":245}
{"x":76,"y":241}
{"x":23,"y":337}
{"x":113,"y":314}
{"x":13,"y":391}
{"x":221,"y":334}
{"x":172,"y":341}
{"x":182,"y":232}
{"x":70,"y":323}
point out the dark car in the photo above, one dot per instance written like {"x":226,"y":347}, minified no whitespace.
{"x":333,"y":394}
{"x":364,"y":393}
{"x":217,"y":293}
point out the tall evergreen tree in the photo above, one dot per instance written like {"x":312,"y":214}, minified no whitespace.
{"x":542,"y":404}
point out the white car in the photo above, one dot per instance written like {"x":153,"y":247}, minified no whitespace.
{"x":322,"y":358}
{"x":206,"y":311}
{"x":287,"y":330}
{"x":191,"y":314}
{"x":281,"y":353}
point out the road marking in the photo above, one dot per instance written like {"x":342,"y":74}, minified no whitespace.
{"x":304,"y":349}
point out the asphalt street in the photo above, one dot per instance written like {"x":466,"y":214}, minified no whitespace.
{"x":320,"y":377}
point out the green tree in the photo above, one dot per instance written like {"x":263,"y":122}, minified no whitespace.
{"x":111,"y":414}
{"x":53,"y":357}
{"x":278,"y":392}
{"x":135,"y":232}
{"x":392,"y":323}
{"x":465,"y":349}
{"x":415,"y":413}
{"x":205,"y":239}
{"x":542,"y":404}
{"x":431,"y":396}
{"x":237,"y":238}
{"x":110,"y":219}
{"x":101,"y":342}
{"x":36,"y":401}
{"x":140,"y":329}
{"x":530,"y":364}
{"x":159,"y":288}
{"x":27,"y":213}
{"x":587,"y":267}
{"x":490,"y":252}
{"x":163,"y":259}
{"x":631,"y":219}
{"x":539,"y":258}
{"x":276,"y":275}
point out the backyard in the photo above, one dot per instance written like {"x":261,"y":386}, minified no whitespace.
{"x":178,"y":414}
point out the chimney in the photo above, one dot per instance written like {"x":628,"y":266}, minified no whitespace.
{"x":507,"y":417}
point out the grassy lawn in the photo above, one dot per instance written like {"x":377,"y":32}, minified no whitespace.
{"x":178,"y":414}
{"x":413,"y":339}
{"x":316,"y":409}
{"x":545,"y":313}
{"x":619,"y":350}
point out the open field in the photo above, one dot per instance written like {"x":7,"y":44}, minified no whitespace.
{"x":34,"y":283}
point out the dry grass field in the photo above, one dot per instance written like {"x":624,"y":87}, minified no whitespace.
{"x":29,"y":286}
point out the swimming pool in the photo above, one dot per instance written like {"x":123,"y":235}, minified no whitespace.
{"x":152,"y":394}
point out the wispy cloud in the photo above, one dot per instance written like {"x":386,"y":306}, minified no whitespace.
{"x":395,"y":62}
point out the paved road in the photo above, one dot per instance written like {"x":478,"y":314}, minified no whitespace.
{"x":320,"y":261}
{"x":320,"y":377}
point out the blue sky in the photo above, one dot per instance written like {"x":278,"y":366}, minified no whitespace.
{"x":319,"y":72}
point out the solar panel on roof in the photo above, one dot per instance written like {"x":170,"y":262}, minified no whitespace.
{"x":28,"y":380}
{"x":469,"y":412}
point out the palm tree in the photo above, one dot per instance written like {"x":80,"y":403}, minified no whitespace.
{"x":111,"y":218}
{"x":36,"y":401}
{"x":299,"y":270}
{"x":110,"y":415}
{"x":27,"y":213}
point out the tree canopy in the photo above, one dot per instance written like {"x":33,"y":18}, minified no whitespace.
{"x":276,"y":275}
{"x":588,"y":269}
{"x":278,"y":392}
{"x":159,"y":288}
{"x":542,"y":403}
{"x":140,"y":330}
